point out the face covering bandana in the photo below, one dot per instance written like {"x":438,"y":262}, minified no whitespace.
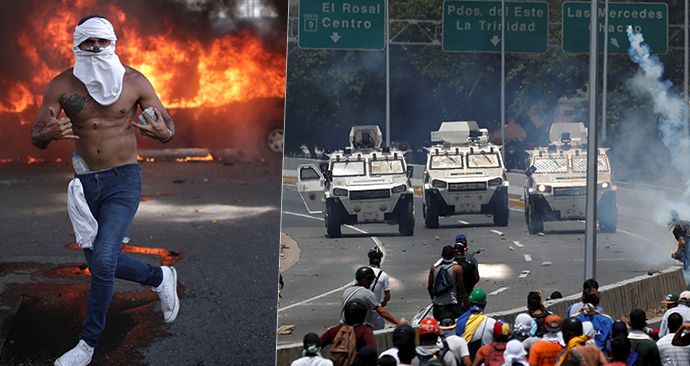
{"x":99,"y":69}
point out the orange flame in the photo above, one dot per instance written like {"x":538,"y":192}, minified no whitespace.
{"x":186,"y":73}
{"x":208,"y":157}
{"x":31,"y":160}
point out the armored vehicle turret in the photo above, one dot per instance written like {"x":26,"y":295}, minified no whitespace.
{"x":464,"y":174}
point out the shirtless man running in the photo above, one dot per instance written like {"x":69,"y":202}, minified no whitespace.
{"x":100,"y":97}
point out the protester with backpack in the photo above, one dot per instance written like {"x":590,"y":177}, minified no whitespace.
{"x":350,"y":336}
{"x":492,"y":354}
{"x":469,"y":264}
{"x":428,"y":352}
{"x":445,"y":286}
{"x":538,"y":312}
{"x":473,"y":325}
{"x":311,"y":356}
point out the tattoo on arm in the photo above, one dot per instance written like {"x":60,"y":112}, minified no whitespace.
{"x":73,"y":104}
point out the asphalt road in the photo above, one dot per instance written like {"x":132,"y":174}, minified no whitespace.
{"x":218,"y":223}
{"x":512,"y":263}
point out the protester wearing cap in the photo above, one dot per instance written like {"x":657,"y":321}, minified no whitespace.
{"x":495,"y":349}
{"x":364,"y":277}
{"x":448,"y":302}
{"x":647,"y":351}
{"x":673,"y":355}
{"x":311,"y":355}
{"x":671,"y":300}
{"x":469,"y":264}
{"x":429,"y":332}
{"x":403,"y":336}
{"x":456,"y":344}
{"x":545,"y":352}
{"x":683,"y":309}
{"x":380,"y":287}
{"x":474,"y":325}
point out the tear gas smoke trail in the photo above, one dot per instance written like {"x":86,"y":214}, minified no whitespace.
{"x":670,"y":108}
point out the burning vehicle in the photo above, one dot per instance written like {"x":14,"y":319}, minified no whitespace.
{"x":363,"y":183}
{"x":464,"y":174}
{"x":556,"y":183}
{"x":222,"y":79}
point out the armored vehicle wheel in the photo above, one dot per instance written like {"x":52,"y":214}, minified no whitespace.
{"x":501,"y":210}
{"x":431,"y":214}
{"x":608,"y":213}
{"x":535,"y":222}
{"x":332,"y":220}
{"x":406,"y":219}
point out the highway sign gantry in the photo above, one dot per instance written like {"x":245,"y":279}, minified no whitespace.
{"x":342,"y":24}
{"x":475,"y":26}
{"x":651,"y":19}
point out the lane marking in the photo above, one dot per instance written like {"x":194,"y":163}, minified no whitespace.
{"x":376,"y":241}
{"x":463,"y":222}
{"x":498,"y":291}
{"x":528,"y":258}
{"x":517,"y":244}
{"x":497,"y":232}
{"x":303,"y":215}
{"x":341,"y":288}
{"x":636,"y":236}
{"x":523,"y":274}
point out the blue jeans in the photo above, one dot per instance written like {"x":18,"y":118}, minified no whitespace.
{"x":113,"y":196}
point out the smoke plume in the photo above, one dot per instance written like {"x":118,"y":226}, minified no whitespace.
{"x":669,"y":106}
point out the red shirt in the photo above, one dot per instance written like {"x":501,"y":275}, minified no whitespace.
{"x":363,"y":332}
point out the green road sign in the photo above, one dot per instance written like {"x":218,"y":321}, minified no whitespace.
{"x":651,"y":19}
{"x":475,"y":26}
{"x":342,"y":24}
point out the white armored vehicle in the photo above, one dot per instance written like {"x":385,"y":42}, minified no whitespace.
{"x":360,"y":184}
{"x":464,"y":174}
{"x":556,"y":183}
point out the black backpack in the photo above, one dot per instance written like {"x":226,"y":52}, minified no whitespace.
{"x":468,"y":272}
{"x":442,"y":282}
{"x":435,"y":359}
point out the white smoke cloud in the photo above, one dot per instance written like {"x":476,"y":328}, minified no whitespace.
{"x":649,"y":81}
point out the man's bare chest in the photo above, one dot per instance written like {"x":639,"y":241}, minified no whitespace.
{"x":79,"y":106}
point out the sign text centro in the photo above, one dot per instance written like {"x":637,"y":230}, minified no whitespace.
{"x":338,"y":24}
{"x":475,"y":26}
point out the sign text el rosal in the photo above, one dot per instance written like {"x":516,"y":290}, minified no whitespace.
{"x":345,"y":9}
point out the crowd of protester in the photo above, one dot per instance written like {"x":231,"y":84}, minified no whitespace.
{"x":460,"y":332}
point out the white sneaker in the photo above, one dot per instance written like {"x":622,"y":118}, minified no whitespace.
{"x":77,"y":356}
{"x":167,"y":291}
